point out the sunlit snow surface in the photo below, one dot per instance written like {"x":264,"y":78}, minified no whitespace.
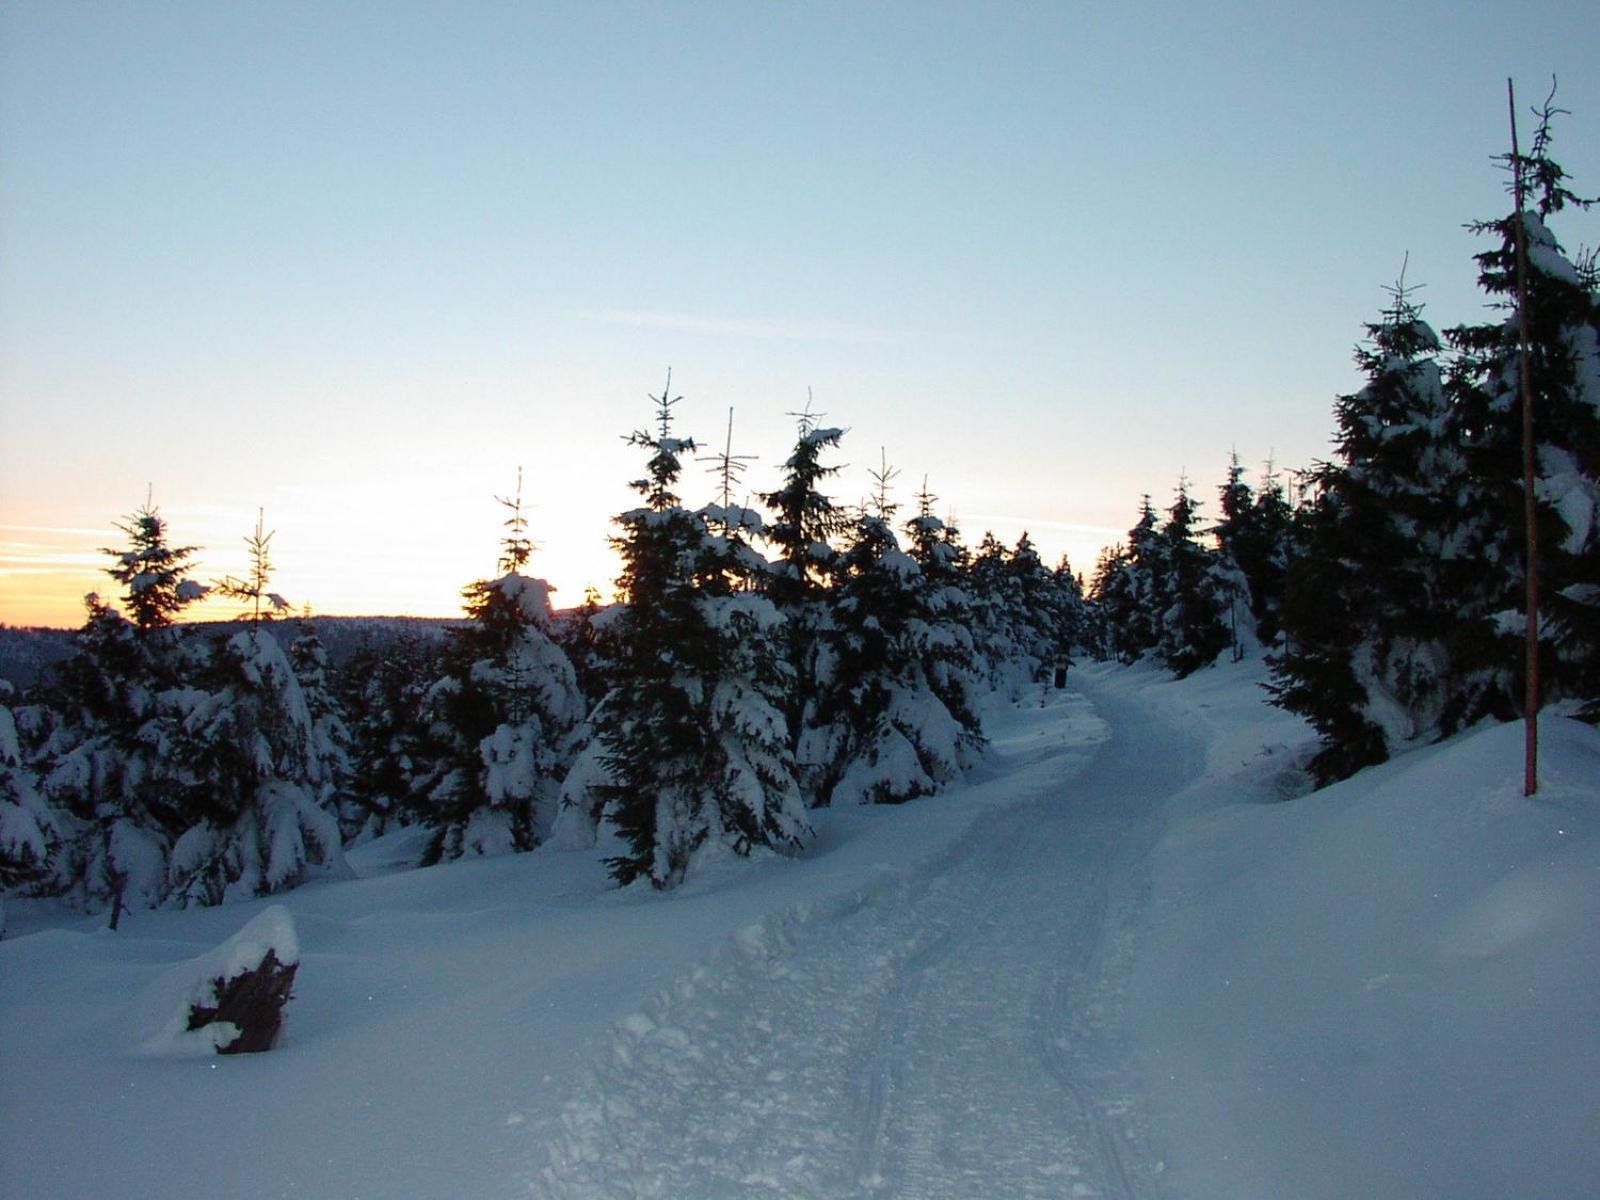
{"x":1111,"y":964}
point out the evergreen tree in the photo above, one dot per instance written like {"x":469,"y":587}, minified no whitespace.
{"x":1368,"y":609}
{"x":805,"y":524}
{"x":153,"y":571}
{"x":1191,"y":632}
{"x":1110,"y":601}
{"x":693,"y":748}
{"x":32,"y":832}
{"x":1562,"y":324}
{"x":806,"y":520}
{"x":895,"y":715}
{"x":577,"y":632}
{"x":500,"y":721}
{"x":331,"y":739}
{"x":382,"y":686}
{"x":1132,"y":589}
{"x":245,"y":748}
{"x":105,"y":753}
{"x":1252,"y":537}
{"x":254,"y":588}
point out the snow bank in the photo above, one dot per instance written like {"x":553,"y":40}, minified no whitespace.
{"x":1387,"y":988}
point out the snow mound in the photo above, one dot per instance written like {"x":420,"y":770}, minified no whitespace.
{"x":1389,"y":987}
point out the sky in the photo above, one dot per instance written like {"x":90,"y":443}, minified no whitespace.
{"x":355,"y":264}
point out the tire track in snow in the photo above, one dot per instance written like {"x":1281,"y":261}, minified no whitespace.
{"x":949,"y":1032}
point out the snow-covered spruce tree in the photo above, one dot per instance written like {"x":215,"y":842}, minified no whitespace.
{"x":944,"y":621}
{"x":987,"y":585}
{"x":1562,"y":324}
{"x":894,"y":717}
{"x":805,"y":524}
{"x":500,"y":720}
{"x":1035,"y":615}
{"x":693,"y":746}
{"x":1368,"y":615}
{"x":154,"y":573}
{"x":577,"y":633}
{"x":104,"y":748}
{"x":1191,"y":632}
{"x":32,"y":832}
{"x":1109,"y":601}
{"x":246,"y":752}
{"x":1253,"y":536}
{"x":1016,"y":613}
{"x":1071,"y":623}
{"x":1131,"y":590}
{"x":331,"y":739}
{"x":382,"y":685}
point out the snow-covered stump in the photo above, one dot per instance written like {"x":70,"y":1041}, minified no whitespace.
{"x":231,"y":1000}
{"x":251,"y":1001}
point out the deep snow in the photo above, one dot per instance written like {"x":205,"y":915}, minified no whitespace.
{"x":1111,"y":964}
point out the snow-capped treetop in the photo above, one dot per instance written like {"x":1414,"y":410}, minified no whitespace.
{"x":152,"y":570}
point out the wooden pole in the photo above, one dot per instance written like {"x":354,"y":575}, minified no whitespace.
{"x":1530,"y":508}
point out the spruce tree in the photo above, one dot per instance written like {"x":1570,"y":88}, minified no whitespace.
{"x":154,"y":572}
{"x":33,"y":835}
{"x":895,"y":716}
{"x":693,"y":747}
{"x":499,"y":722}
{"x":264,"y":605}
{"x":1368,"y":613}
{"x":805,"y":525}
{"x":246,"y":753}
{"x":331,"y":739}
{"x":106,"y":758}
{"x":1252,"y":537}
{"x":1190,"y":632}
{"x":1562,"y":323}
{"x":381,"y":687}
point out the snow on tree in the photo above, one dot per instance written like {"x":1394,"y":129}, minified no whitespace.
{"x":693,"y":748}
{"x":1190,"y":632}
{"x":805,"y":525}
{"x":153,"y":571}
{"x":246,"y":747}
{"x":32,"y":833}
{"x":331,"y":740}
{"x":382,"y":686}
{"x":1253,"y":538}
{"x":1562,"y":323}
{"x":500,"y":721}
{"x":1368,"y":613}
{"x":104,"y":746}
{"x":1131,"y":589}
{"x":895,"y":716}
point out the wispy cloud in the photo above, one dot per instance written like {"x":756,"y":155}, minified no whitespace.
{"x":744,"y":327}
{"x":64,"y":530}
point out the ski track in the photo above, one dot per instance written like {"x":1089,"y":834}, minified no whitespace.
{"x":951,"y":1032}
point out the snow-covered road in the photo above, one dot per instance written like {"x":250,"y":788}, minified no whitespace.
{"x":952,"y":1033}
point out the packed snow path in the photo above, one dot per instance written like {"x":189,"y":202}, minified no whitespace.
{"x":953,"y":1032}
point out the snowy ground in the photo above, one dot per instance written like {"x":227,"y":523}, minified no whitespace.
{"x":1111,"y":965}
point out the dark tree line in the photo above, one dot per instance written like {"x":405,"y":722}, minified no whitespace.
{"x":1391,"y":594}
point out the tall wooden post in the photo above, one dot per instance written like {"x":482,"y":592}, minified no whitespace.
{"x":1530,"y":508}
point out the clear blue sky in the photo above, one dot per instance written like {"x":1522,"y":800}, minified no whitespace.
{"x":357,"y":262}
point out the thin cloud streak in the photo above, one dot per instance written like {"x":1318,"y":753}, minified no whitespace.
{"x":61,"y":529}
{"x":769,"y":330}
